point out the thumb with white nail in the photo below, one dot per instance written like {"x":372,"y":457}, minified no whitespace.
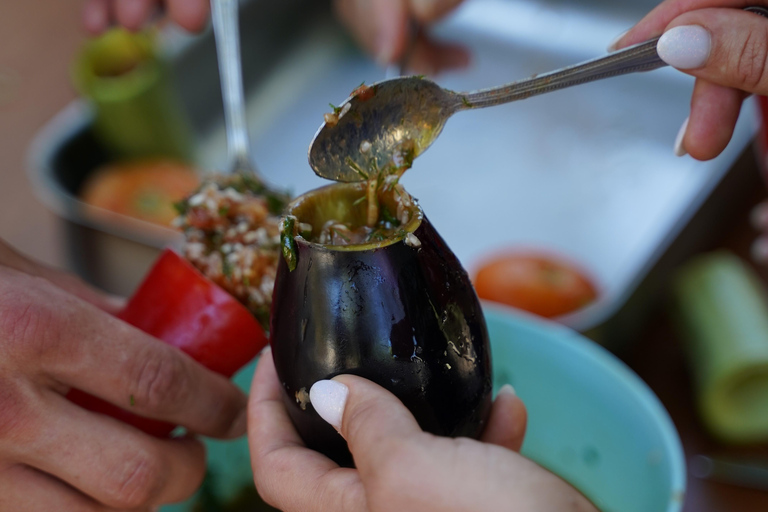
{"x":398,"y":466}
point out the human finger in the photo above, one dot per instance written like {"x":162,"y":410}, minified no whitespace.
{"x":654,"y":23}
{"x":399,"y":464}
{"x":27,"y":489}
{"x":191,"y":15}
{"x":279,"y":457}
{"x":403,"y":468}
{"x":379,"y":26}
{"x":507,"y":421}
{"x":114,"y":463}
{"x":268,"y":421}
{"x":96,"y":17}
{"x":759,"y":219}
{"x":373,"y":421}
{"x":759,"y":250}
{"x":54,"y":335}
{"x":132,"y":14}
{"x":714,"y":112}
{"x":429,"y":57}
{"x":728,"y":47}
{"x":74,"y":285}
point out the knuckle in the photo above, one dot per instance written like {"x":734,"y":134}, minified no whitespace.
{"x":751,"y":65}
{"x":356,"y":418}
{"x":27,"y":319}
{"x":352,"y":497}
{"x":133,"y":483}
{"x":14,"y":422}
{"x":160,"y":382}
{"x":269,"y":475}
{"x":393,"y":473}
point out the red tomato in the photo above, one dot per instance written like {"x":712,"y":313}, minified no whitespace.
{"x":536,"y":283}
{"x":179,"y":305}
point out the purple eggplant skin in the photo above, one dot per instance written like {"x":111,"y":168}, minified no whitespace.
{"x":404,"y":317}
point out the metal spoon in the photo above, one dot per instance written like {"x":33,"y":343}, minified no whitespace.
{"x":405,"y":115}
{"x":226,"y":32}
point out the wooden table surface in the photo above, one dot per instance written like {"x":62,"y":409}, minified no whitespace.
{"x":37,"y":41}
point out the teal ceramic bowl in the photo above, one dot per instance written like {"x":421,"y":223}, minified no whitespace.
{"x":591,"y":420}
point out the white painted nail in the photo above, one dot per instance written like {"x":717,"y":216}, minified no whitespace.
{"x":613,"y":45}
{"x":759,"y":250}
{"x":507,"y":389}
{"x":685,"y":47}
{"x":679,"y":147}
{"x":329,"y":397}
{"x":758,"y":217}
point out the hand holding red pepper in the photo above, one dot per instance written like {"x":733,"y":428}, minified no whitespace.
{"x":178,"y":305}
{"x":56,"y":333}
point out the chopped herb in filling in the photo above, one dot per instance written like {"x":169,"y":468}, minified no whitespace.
{"x":231,"y":227}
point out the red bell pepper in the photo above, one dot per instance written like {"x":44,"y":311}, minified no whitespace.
{"x":179,"y":305}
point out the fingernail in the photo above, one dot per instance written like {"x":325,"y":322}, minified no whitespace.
{"x":614,"y":44}
{"x":679,"y":147}
{"x":507,"y":389}
{"x":240,"y":425}
{"x":758,"y":217}
{"x":759,"y":250}
{"x":685,"y":47}
{"x":328,"y":397}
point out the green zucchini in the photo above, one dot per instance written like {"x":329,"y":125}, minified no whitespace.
{"x":722,"y":309}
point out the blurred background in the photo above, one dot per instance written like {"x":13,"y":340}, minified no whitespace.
{"x":581,"y":181}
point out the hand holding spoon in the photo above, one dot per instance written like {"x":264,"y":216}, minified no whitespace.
{"x":394,"y":121}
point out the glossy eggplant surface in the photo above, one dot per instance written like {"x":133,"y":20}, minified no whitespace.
{"x":401,"y":313}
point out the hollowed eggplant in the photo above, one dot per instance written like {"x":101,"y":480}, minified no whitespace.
{"x":403,"y":315}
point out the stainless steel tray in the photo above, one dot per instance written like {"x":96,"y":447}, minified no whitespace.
{"x":587,"y":172}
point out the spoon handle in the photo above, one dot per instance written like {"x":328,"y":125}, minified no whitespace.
{"x":226,"y":31}
{"x":641,"y":57}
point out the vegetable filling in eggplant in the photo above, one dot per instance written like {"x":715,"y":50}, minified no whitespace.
{"x":355,"y":216}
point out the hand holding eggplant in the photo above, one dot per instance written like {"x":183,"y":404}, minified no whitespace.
{"x":399,"y":467}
